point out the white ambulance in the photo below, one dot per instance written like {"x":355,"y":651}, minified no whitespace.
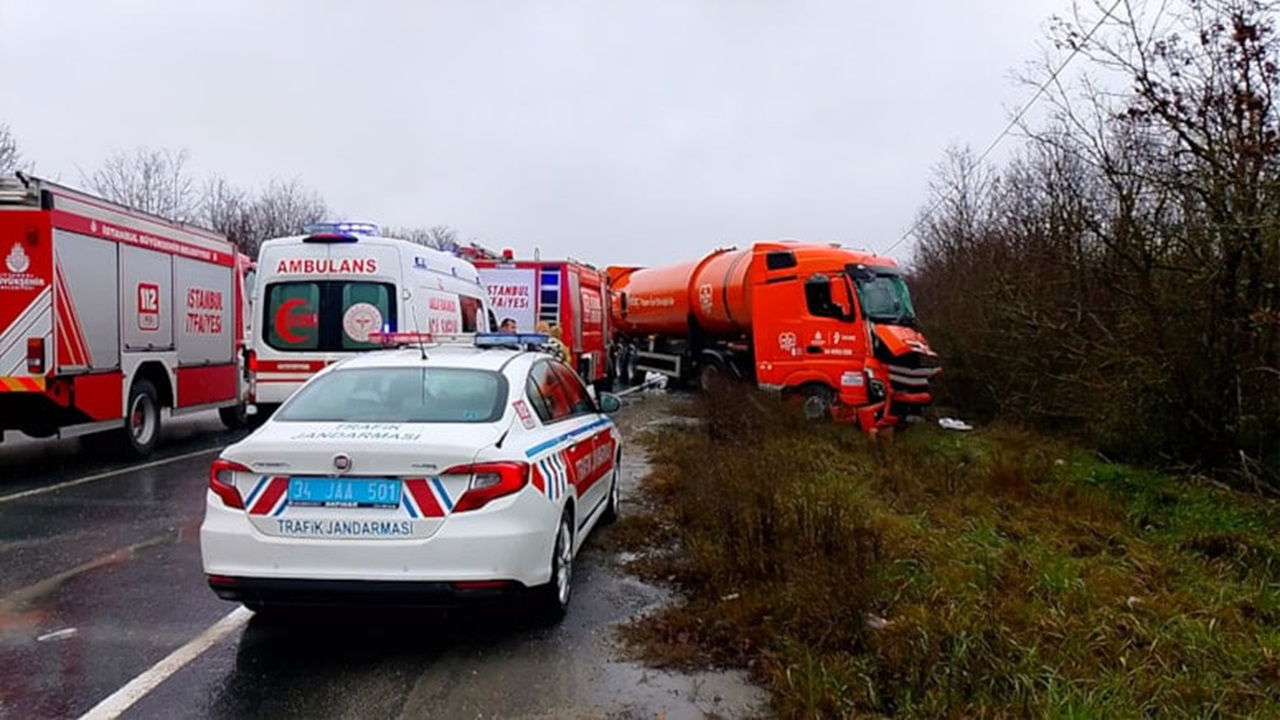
{"x":317,"y":297}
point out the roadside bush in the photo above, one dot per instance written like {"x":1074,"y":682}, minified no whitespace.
{"x":1119,"y":280}
{"x":992,"y":574}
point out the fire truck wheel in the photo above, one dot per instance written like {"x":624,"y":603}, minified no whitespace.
{"x":142,"y":421}
{"x":234,"y":416}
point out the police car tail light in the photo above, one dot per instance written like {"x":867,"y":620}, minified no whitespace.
{"x":222,"y":481}
{"x":489,"y":481}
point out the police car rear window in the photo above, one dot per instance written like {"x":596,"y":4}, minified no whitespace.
{"x":400,"y":394}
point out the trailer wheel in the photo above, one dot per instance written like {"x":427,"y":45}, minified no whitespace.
{"x":711,"y":377}
{"x":635,"y":375}
{"x":142,"y":420}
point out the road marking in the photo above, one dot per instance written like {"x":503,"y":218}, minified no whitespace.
{"x":107,"y":474}
{"x":124,"y":698}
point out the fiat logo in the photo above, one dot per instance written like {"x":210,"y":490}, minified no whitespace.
{"x":342,"y":462}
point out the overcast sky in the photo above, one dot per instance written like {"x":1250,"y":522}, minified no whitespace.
{"x":617,"y":131}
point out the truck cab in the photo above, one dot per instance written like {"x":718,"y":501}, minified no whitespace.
{"x":838,"y":328}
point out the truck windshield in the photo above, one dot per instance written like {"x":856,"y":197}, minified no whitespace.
{"x":400,"y":395}
{"x":885,"y":298}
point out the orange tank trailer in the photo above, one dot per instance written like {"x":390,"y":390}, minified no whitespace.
{"x":823,"y":323}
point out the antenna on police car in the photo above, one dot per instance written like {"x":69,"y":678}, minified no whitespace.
{"x":422,"y":343}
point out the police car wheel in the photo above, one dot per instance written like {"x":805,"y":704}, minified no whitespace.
{"x":611,"y":510}
{"x":551,"y":601}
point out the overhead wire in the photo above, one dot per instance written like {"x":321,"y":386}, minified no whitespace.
{"x":1017,"y":118}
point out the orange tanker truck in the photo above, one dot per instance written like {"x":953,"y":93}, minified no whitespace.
{"x":831,"y":327}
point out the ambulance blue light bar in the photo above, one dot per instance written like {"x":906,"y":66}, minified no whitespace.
{"x":340,"y":231}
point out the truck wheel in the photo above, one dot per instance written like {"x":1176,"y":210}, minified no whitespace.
{"x":711,"y":377}
{"x":234,"y":416}
{"x":815,"y":403}
{"x":142,"y":419}
{"x":635,"y":375}
{"x":551,"y":601}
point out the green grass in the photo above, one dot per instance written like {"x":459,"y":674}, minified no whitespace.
{"x":991,"y":574}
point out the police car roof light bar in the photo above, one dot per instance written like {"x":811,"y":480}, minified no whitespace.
{"x":528,"y":340}
{"x":399,"y":339}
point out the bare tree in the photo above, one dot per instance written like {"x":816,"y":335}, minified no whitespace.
{"x":10,"y":155}
{"x":152,"y":180}
{"x":440,"y":237}
{"x":281,"y":208}
{"x":1121,"y":277}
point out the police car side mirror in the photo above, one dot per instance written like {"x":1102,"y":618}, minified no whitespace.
{"x":610,"y":403}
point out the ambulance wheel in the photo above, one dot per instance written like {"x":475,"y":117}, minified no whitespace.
{"x":551,"y":601}
{"x":234,"y":416}
{"x":142,"y":419}
{"x":257,"y":419}
{"x":611,"y":510}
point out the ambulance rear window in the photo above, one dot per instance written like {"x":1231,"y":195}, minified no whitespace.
{"x":329,"y":315}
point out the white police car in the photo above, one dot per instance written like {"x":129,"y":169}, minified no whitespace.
{"x":428,"y":474}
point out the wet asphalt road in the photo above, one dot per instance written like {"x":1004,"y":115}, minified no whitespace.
{"x":100,"y":581}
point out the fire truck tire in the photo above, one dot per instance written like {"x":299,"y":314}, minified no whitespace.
{"x":551,"y":601}
{"x":141,"y":429}
{"x":38,"y":430}
{"x":234,"y":416}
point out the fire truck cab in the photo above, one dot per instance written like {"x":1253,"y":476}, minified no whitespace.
{"x":113,"y":319}
{"x":318,"y":296}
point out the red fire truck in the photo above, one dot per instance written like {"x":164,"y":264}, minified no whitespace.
{"x":564,"y":294}
{"x":112,"y":319}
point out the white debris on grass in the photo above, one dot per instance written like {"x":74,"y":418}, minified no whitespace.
{"x":954,"y":424}
{"x":57,"y":635}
